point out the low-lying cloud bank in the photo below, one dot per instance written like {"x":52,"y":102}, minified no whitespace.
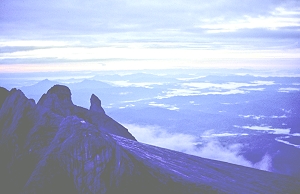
{"x":212,"y":148}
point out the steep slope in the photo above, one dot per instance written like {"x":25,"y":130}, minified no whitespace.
{"x":194,"y":174}
{"x":55,"y":146}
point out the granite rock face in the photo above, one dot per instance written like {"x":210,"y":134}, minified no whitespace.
{"x":55,"y":146}
{"x":87,"y":158}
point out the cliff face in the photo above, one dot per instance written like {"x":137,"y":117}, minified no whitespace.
{"x":55,"y":146}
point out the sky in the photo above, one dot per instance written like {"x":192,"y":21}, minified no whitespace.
{"x":73,"y":35}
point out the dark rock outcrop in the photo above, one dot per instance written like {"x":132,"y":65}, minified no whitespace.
{"x":55,"y":146}
{"x":15,"y":124}
{"x":58,"y":100}
{"x":96,"y":104}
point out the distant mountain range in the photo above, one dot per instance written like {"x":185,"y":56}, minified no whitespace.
{"x":54,"y":146}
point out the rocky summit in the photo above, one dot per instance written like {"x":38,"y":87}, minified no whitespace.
{"x":54,"y":146}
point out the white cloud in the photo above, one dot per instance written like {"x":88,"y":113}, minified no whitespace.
{"x":254,"y":89}
{"x":265,"y":163}
{"x":268,"y":129}
{"x":208,"y":134}
{"x":287,"y":90}
{"x":226,"y":86}
{"x":211,"y":148}
{"x":278,"y":117}
{"x":154,"y":135}
{"x":167,"y":106}
{"x":126,"y":83}
{"x":257,"y":117}
{"x":285,"y":140}
{"x":194,"y":88}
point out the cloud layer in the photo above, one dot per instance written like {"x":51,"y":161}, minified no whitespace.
{"x":156,"y":20}
{"x":132,"y":15}
{"x":185,"y":32}
{"x":212,"y":148}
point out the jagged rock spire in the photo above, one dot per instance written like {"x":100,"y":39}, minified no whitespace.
{"x":96,"y":104}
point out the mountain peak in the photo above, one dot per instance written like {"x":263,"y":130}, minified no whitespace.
{"x":58,"y":99}
{"x":63,"y":92}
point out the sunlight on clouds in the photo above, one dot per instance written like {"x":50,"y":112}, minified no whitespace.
{"x":139,"y":51}
{"x":33,"y":43}
{"x":149,"y":85}
{"x":86,"y":66}
{"x":147,"y":57}
{"x":53,"y":67}
{"x":133,"y":55}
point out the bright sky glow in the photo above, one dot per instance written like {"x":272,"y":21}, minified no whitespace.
{"x":98,"y":35}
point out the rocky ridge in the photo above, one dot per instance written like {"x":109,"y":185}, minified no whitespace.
{"x":54,"y":146}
